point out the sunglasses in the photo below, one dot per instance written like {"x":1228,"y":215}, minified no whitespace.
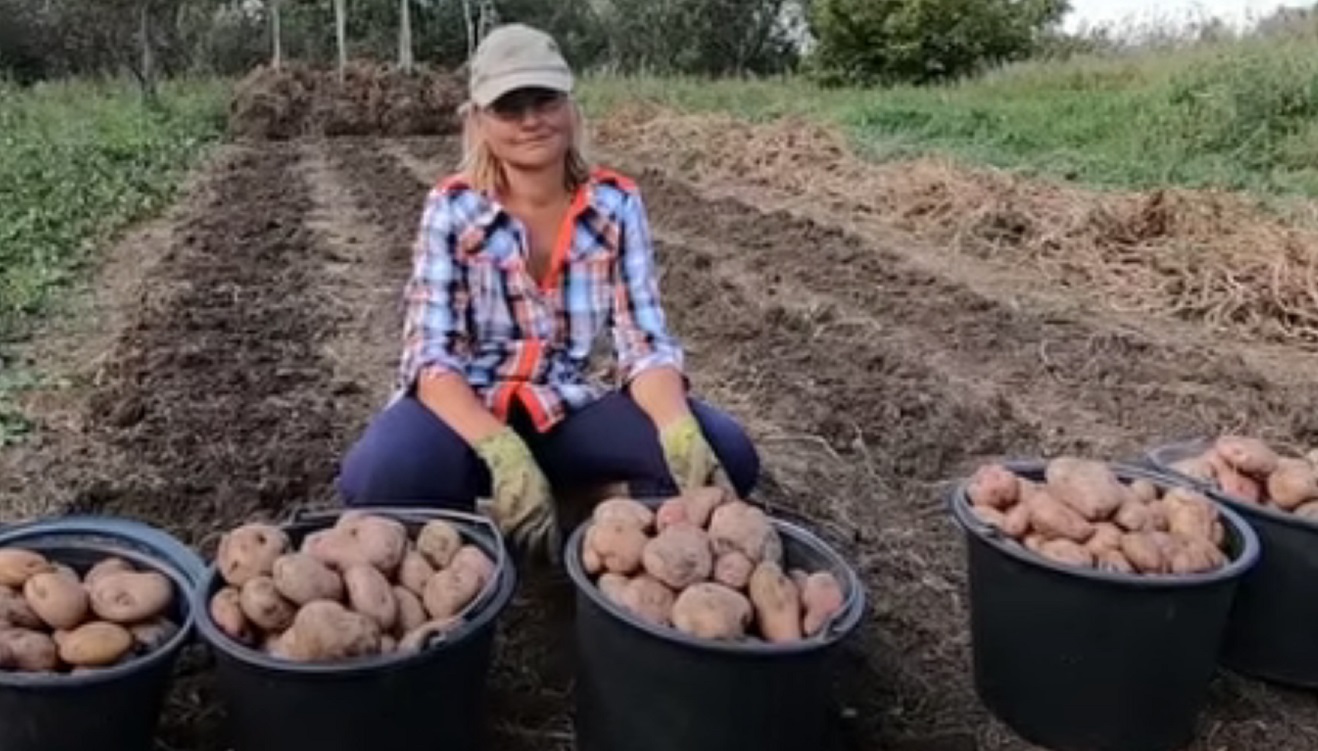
{"x":518,"y":103}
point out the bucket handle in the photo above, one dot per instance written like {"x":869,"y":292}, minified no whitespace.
{"x":500,"y":552}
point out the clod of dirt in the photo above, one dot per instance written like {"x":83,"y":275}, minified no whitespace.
{"x":371,"y":99}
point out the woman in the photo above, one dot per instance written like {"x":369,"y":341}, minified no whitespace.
{"x":523,"y":259}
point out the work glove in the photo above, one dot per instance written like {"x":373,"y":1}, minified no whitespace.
{"x":522,"y":502}
{"x":691,"y":460}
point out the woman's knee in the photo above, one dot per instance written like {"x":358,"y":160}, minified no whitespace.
{"x":408,"y":457}
{"x":733,"y":446}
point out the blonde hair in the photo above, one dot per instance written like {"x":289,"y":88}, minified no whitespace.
{"x":485,"y":172}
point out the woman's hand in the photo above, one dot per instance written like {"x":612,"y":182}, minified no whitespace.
{"x":523,"y":505}
{"x":661,"y":394}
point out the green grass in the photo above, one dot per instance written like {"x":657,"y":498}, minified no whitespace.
{"x":1241,"y":115}
{"x":78,"y":162}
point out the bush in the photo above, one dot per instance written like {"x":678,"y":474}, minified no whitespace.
{"x":924,"y":41}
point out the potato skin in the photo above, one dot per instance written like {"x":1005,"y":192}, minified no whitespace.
{"x":680,"y":556}
{"x":1292,"y":484}
{"x":1112,"y":561}
{"x":993,"y":486}
{"x":619,"y":543}
{"x":15,"y":610}
{"x":1141,"y":550}
{"x":777,"y":604}
{"x":739,"y":526}
{"x":1143,"y":491}
{"x":264,"y":606}
{"x":733,"y":570}
{"x":112,"y":565}
{"x":474,"y":559}
{"x":1248,"y":455}
{"x":649,"y":599}
{"x":97,"y":644}
{"x":411,"y":613}
{"x":302,"y":578}
{"x":1107,"y":536}
{"x":60,"y":602}
{"x":1067,"y":552}
{"x":712,"y":611}
{"x":381,"y":542}
{"x":625,"y":511}
{"x":1133,"y":516}
{"x":128,"y":598}
{"x":31,"y":651}
{"x":327,"y":631}
{"x":1189,"y":513}
{"x":1052,"y":518}
{"x":370,"y":594}
{"x":17,"y":565}
{"x":451,"y":590}
{"x":1088,"y":487}
{"x":612,"y":586}
{"x":437,"y":543}
{"x":821,"y":595}
{"x":249,"y":551}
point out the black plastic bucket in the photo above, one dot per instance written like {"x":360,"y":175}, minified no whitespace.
{"x":116,"y":708}
{"x":1084,"y":660}
{"x":1273,"y":631}
{"x":434,"y":699}
{"x":641,"y":687}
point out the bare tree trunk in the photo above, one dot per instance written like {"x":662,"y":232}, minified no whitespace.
{"x":405,"y":58}
{"x":148,"y":78}
{"x":276,"y":35}
{"x":341,"y":35}
{"x":471,"y":28}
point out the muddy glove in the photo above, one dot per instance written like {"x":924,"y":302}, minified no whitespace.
{"x":690,"y":459}
{"x":523,"y":506}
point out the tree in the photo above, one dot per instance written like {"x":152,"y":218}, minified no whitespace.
{"x":405,"y":52}
{"x":923,"y":41}
{"x":341,"y":35}
{"x":276,"y":36}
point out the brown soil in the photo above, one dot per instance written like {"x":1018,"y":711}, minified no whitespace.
{"x":869,"y":381}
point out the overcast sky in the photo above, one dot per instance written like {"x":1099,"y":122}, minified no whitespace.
{"x":1095,"y":12}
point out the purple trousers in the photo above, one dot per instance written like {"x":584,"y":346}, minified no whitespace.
{"x":409,"y":457}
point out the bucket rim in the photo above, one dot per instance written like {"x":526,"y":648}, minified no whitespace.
{"x":1158,"y":459}
{"x":165,"y":653}
{"x":496,"y":598}
{"x":839,"y":628}
{"x":959,"y":503}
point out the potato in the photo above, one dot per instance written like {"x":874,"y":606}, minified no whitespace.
{"x":96,"y":644}
{"x":227,"y":612}
{"x":777,"y":604}
{"x":1240,"y":486}
{"x":128,"y":598}
{"x":411,"y":613}
{"x":701,"y":502}
{"x":1053,"y":519}
{"x":1195,"y":555}
{"x":733,"y":570}
{"x":1068,"y":552}
{"x":327,"y":631}
{"x":1143,"y":491}
{"x":1133,"y":516}
{"x":1033,"y":542}
{"x":1142,"y":551}
{"x":672,"y":511}
{"x":1107,"y":536}
{"x":15,"y":610}
{"x":18,"y":565}
{"x":993,"y":486}
{"x":821,"y":596}
{"x":680,"y":556}
{"x":1293,"y":483}
{"x":625,"y":511}
{"x":739,"y":526}
{"x":112,"y":565}
{"x":1112,"y":561}
{"x":612,"y":586}
{"x":302,"y":578}
{"x":388,"y":645}
{"x":437,"y":543}
{"x":1248,"y":455}
{"x":649,"y":599}
{"x":380,"y":541}
{"x":152,"y":635}
{"x":1158,"y":516}
{"x":1307,"y":511}
{"x":1189,"y":513}
{"x":370,"y":594}
{"x":990,"y":516}
{"x":30,"y":651}
{"x":451,"y":590}
{"x":474,"y":559}
{"x":590,"y":560}
{"x":712,"y":611}
{"x":59,"y":601}
{"x":1199,"y":468}
{"x":250,"y":551}
{"x":425,"y":635}
{"x":264,"y":606}
{"x":619,"y":543}
{"x":1089,"y":487}
{"x":1016,"y":522}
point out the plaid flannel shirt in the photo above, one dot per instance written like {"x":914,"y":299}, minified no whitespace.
{"x":473,"y":308}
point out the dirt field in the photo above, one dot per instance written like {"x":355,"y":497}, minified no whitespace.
{"x":230,"y":351}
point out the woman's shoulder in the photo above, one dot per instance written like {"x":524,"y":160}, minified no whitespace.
{"x":454,"y":198}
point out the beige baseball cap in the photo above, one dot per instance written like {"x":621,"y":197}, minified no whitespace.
{"x":516,"y":56}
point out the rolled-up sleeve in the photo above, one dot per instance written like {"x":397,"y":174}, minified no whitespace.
{"x":640,"y":329}
{"x":435,"y":298}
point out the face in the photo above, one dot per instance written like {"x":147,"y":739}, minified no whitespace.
{"x":529,"y":128}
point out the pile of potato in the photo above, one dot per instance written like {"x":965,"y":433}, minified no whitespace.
{"x":1083,"y":515}
{"x":54,"y":621}
{"x":707,"y":565}
{"x":363,"y":587}
{"x":1250,"y":470}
